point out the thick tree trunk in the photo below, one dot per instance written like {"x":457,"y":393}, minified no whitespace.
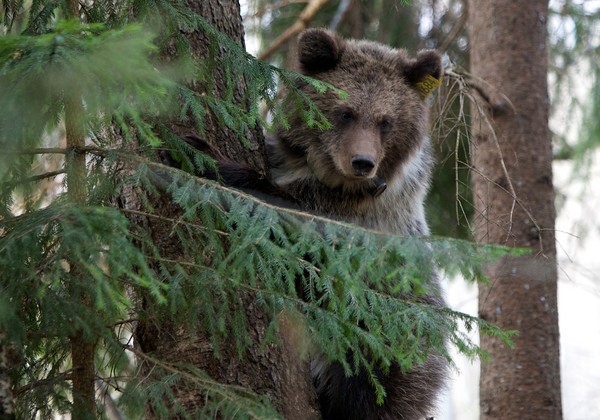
{"x":514,"y":199}
{"x":275,"y":371}
{"x":225,"y":16}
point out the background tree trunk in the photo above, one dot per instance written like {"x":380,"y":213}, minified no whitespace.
{"x":6,"y":397}
{"x":514,"y":201}
{"x":275,"y":371}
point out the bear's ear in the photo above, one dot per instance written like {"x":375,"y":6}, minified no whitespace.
{"x":427,"y":63}
{"x":318,"y":50}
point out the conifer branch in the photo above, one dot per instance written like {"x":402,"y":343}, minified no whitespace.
{"x":128,"y":158}
{"x":175,"y":222}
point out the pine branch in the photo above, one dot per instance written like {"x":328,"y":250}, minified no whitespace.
{"x":175,"y":222}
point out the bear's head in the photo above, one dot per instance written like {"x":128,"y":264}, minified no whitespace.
{"x":382,"y":121}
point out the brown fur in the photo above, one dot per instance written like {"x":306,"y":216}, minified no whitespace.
{"x":379,"y":135}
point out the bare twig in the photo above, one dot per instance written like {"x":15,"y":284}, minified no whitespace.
{"x":34,"y":178}
{"x":339,"y":14}
{"x":64,"y":376}
{"x":453,"y":33}
{"x":39,"y":151}
{"x":301,"y":23}
{"x":261,"y":11}
{"x":471,"y":89}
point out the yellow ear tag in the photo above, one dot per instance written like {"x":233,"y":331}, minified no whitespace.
{"x":427,"y":85}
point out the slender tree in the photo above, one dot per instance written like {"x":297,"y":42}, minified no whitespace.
{"x":514,"y":201}
{"x":82,"y":348}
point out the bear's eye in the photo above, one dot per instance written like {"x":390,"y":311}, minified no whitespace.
{"x":385,"y":125}
{"x":346,"y":117}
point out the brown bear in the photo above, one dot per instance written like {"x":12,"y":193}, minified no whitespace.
{"x":372,"y":168}
{"x":378,"y":142}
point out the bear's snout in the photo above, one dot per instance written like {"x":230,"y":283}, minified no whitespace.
{"x":362,"y":165}
{"x":358,"y":153}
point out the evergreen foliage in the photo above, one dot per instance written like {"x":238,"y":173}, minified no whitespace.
{"x":360,"y":289}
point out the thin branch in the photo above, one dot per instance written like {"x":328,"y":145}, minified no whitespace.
{"x":339,"y":14}
{"x":65,"y":376}
{"x":123,"y":322}
{"x":39,"y":151}
{"x":175,"y":222}
{"x":453,"y":33}
{"x":466,"y":86}
{"x":301,"y":23}
{"x":110,"y":406}
{"x":498,"y":106}
{"x":85,"y":11}
{"x":45,"y":175}
{"x":261,"y":11}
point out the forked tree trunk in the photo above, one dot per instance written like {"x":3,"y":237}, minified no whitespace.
{"x":514,"y":200}
{"x":276,"y":371}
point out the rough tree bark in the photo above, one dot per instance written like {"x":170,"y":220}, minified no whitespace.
{"x":514,"y":200}
{"x":82,"y":350}
{"x":6,"y":397}
{"x":275,"y":371}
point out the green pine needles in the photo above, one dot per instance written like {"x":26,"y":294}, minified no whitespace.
{"x":81,"y":268}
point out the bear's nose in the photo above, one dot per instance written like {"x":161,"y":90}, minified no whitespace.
{"x":362,"y":165}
